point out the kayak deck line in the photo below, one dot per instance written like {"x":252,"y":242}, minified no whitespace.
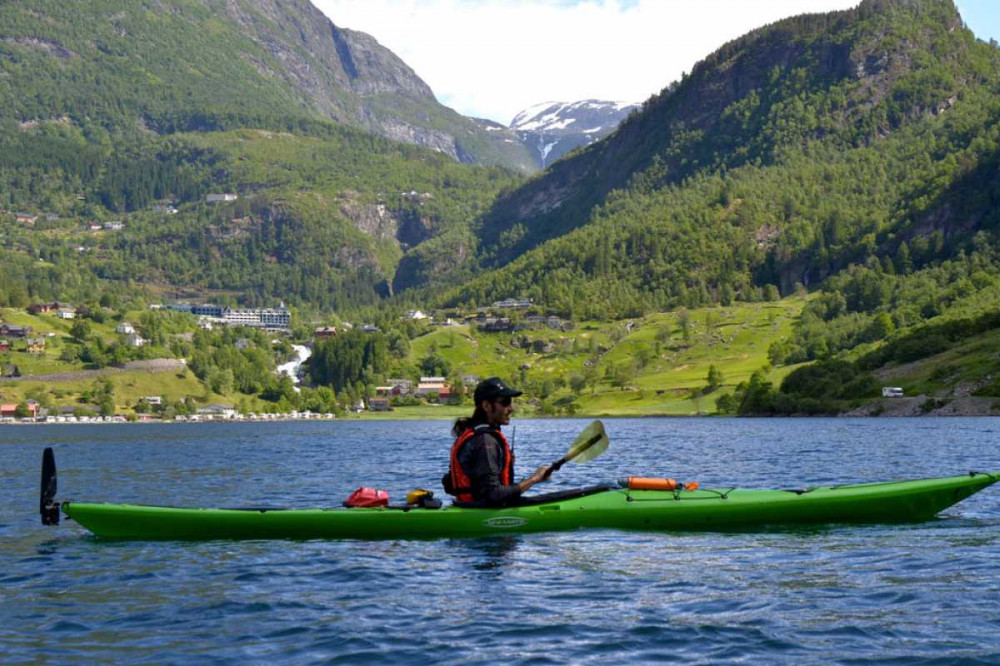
{"x":597,"y":507}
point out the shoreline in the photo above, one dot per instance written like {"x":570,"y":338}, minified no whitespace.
{"x":857,"y":413}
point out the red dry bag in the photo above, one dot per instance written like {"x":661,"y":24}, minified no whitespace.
{"x":367,"y":497}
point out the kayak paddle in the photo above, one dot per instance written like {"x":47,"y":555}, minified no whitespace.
{"x":592,"y":442}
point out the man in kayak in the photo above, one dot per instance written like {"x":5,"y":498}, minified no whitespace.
{"x":481,"y":471}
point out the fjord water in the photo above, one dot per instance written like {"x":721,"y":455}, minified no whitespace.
{"x":912,"y":593}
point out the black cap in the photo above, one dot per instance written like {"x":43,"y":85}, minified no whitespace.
{"x":492,"y":388}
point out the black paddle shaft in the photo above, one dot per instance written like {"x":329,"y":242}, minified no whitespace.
{"x":566,"y":458}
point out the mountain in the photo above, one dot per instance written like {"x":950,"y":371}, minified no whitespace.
{"x":786,"y":156}
{"x":552,"y":129}
{"x":114,"y":111}
{"x":173,"y":65}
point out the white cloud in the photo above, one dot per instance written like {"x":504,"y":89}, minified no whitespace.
{"x":493,"y":58}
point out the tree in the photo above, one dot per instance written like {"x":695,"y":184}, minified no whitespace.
{"x":726,"y":404}
{"x":684,"y":322}
{"x":715,"y":378}
{"x":80,"y":331}
{"x":435,"y":365}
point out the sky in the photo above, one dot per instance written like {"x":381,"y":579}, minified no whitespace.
{"x":494,"y":58}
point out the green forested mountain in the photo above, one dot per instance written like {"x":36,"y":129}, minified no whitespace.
{"x":323,"y":219}
{"x":805,"y":87}
{"x":856,"y":150}
{"x":108,"y":109}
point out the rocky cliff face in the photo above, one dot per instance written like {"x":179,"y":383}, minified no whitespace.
{"x":552,"y":129}
{"x":350,"y":77}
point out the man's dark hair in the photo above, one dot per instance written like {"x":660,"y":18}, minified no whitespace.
{"x":466,"y":422}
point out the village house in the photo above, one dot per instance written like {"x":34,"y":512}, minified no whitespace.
{"x":11,"y":331}
{"x":401,"y":386}
{"x":4,"y":345}
{"x":116,"y":225}
{"x":379,"y":405}
{"x":542,"y":320}
{"x":94,"y":226}
{"x":324,"y":331}
{"x":124,"y":328}
{"x":66,"y":313}
{"x":8,"y":409}
{"x":223,"y":412}
{"x":416,"y":315}
{"x":429,"y":385}
{"x":36,"y":345}
{"x":513,"y":303}
{"x":133,"y":339}
{"x":496,"y":325}
{"x":42,"y":308}
{"x":215,"y":198}
{"x":153,"y":400}
{"x":27,"y":218}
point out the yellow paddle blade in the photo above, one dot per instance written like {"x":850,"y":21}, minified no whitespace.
{"x":592,"y":442}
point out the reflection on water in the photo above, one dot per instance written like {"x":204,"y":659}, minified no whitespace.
{"x":883,"y":593}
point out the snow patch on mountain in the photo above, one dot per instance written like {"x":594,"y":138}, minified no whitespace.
{"x":552,"y":129}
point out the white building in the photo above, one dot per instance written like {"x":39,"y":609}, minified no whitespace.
{"x":429,"y":385}
{"x":214,"y":198}
{"x":125,"y":328}
{"x":133,"y":339}
{"x":514,"y":303}
{"x":218,"y":412}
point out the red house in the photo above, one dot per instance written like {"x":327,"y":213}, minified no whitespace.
{"x":8,"y":408}
{"x":41,"y":308}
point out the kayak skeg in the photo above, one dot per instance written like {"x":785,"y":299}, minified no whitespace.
{"x":685,"y":508}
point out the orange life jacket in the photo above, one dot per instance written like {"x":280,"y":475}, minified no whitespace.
{"x":461,"y":485}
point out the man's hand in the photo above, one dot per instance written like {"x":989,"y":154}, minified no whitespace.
{"x":541,"y":474}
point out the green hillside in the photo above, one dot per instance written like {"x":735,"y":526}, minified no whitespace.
{"x":323,"y":220}
{"x":789,"y":154}
{"x":120,"y":72}
{"x":658,"y":364}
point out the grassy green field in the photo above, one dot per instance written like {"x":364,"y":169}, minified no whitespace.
{"x":129,"y":387}
{"x":959,"y":370}
{"x":665,"y":368}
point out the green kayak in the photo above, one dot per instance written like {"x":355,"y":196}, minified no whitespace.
{"x":591,"y":508}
